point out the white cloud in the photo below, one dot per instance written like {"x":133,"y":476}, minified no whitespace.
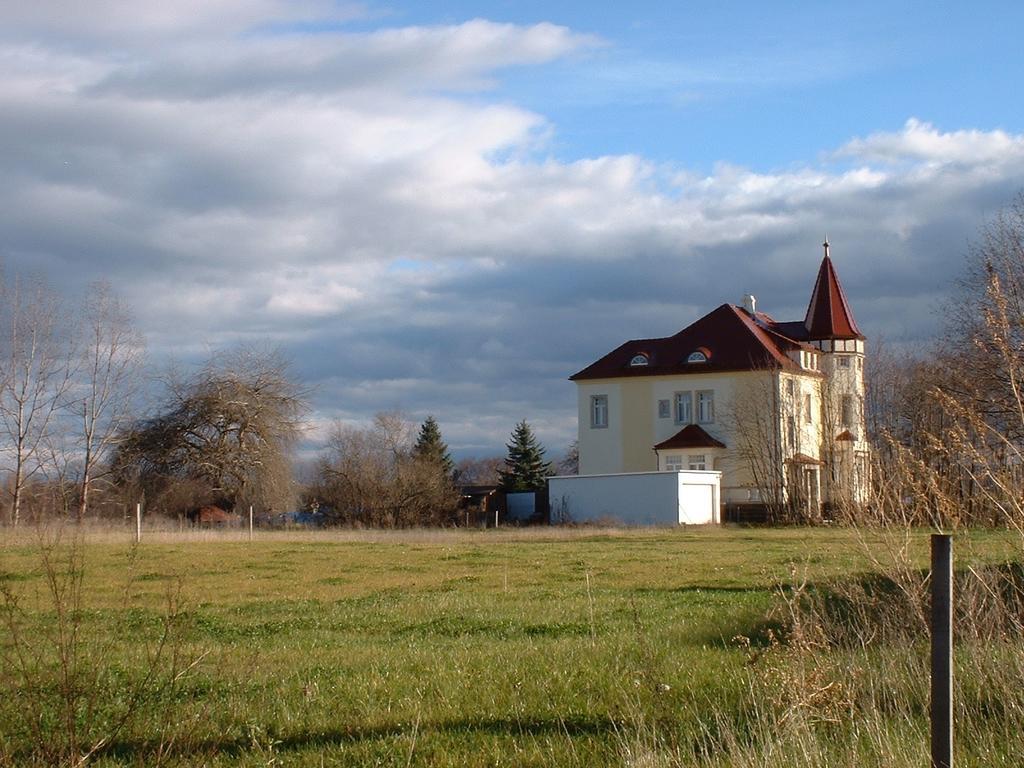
{"x":922,"y":142}
{"x":129,"y":22}
{"x":413,"y":245}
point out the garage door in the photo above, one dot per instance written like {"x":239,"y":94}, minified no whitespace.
{"x":696,"y":504}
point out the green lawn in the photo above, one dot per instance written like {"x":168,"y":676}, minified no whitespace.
{"x":543,"y":647}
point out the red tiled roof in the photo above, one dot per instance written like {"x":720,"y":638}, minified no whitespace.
{"x":690,"y":436}
{"x":730,"y":338}
{"x":828,"y":314}
{"x":733,"y":340}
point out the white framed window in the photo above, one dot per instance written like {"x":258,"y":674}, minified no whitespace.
{"x":639,"y":360}
{"x":705,"y":406}
{"x":684,"y":407}
{"x":696,"y":461}
{"x":664,"y":409}
{"x":808,"y":411}
{"x":599,"y":411}
{"x":846,"y":411}
{"x":674,"y":463}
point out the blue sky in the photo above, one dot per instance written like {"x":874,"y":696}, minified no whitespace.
{"x":761,"y":85}
{"x":449,"y":208}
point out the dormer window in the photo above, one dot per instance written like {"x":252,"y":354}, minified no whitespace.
{"x":697,"y":357}
{"x":640,"y":359}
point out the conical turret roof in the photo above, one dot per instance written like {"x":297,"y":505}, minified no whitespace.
{"x":829,"y":315}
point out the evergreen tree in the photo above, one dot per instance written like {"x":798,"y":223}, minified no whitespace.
{"x":430,"y":447}
{"x":526,"y":469}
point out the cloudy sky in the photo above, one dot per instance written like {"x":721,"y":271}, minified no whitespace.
{"x":450,"y":207}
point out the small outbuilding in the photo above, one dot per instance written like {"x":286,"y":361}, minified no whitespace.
{"x":637,"y":498}
{"x":212,"y":516}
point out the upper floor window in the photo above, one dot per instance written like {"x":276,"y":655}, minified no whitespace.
{"x":705,"y":406}
{"x":599,"y":411}
{"x":664,"y":409}
{"x":791,"y":431}
{"x":846,"y":411}
{"x":674,"y":463}
{"x":639,"y":360}
{"x":843,"y":361}
{"x":808,"y":412}
{"x":697,"y":357}
{"x":697,"y":462}
{"x":684,"y":407}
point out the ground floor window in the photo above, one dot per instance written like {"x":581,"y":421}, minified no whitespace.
{"x":674,"y":463}
{"x":696,"y":461}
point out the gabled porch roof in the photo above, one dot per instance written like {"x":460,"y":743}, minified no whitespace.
{"x":690,"y":436}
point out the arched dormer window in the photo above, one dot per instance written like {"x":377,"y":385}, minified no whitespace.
{"x":699,"y":355}
{"x":640,"y":359}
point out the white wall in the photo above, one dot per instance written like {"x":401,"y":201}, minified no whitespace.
{"x":639,"y":498}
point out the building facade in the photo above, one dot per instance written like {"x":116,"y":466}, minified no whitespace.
{"x":777,"y":407}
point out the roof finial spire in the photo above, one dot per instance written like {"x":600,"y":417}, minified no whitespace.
{"x":825,"y":246}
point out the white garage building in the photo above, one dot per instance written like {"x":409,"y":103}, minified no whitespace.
{"x":637,"y":498}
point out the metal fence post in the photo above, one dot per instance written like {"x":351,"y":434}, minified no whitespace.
{"x":942,"y":651}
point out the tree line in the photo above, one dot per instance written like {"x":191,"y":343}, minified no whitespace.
{"x":83,"y":435}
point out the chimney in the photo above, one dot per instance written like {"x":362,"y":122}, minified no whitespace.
{"x":749,"y":303}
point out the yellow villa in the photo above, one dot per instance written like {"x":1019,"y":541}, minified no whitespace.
{"x":776,"y":407}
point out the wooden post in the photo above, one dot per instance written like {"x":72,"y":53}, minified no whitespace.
{"x":138,"y":522}
{"x":250,"y":522}
{"x":942,"y":651}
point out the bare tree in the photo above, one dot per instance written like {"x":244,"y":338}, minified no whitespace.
{"x":762,"y":436}
{"x":569,"y":464}
{"x":37,"y":366}
{"x":956,"y":419}
{"x":108,"y":382}
{"x":232,"y":427}
{"x":479,"y":471}
{"x":985,"y":335}
{"x":373,"y":476}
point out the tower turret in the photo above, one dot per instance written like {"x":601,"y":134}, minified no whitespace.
{"x":829,"y":315}
{"x":832,"y":328}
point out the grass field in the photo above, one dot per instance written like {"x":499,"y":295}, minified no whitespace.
{"x":543,"y":647}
